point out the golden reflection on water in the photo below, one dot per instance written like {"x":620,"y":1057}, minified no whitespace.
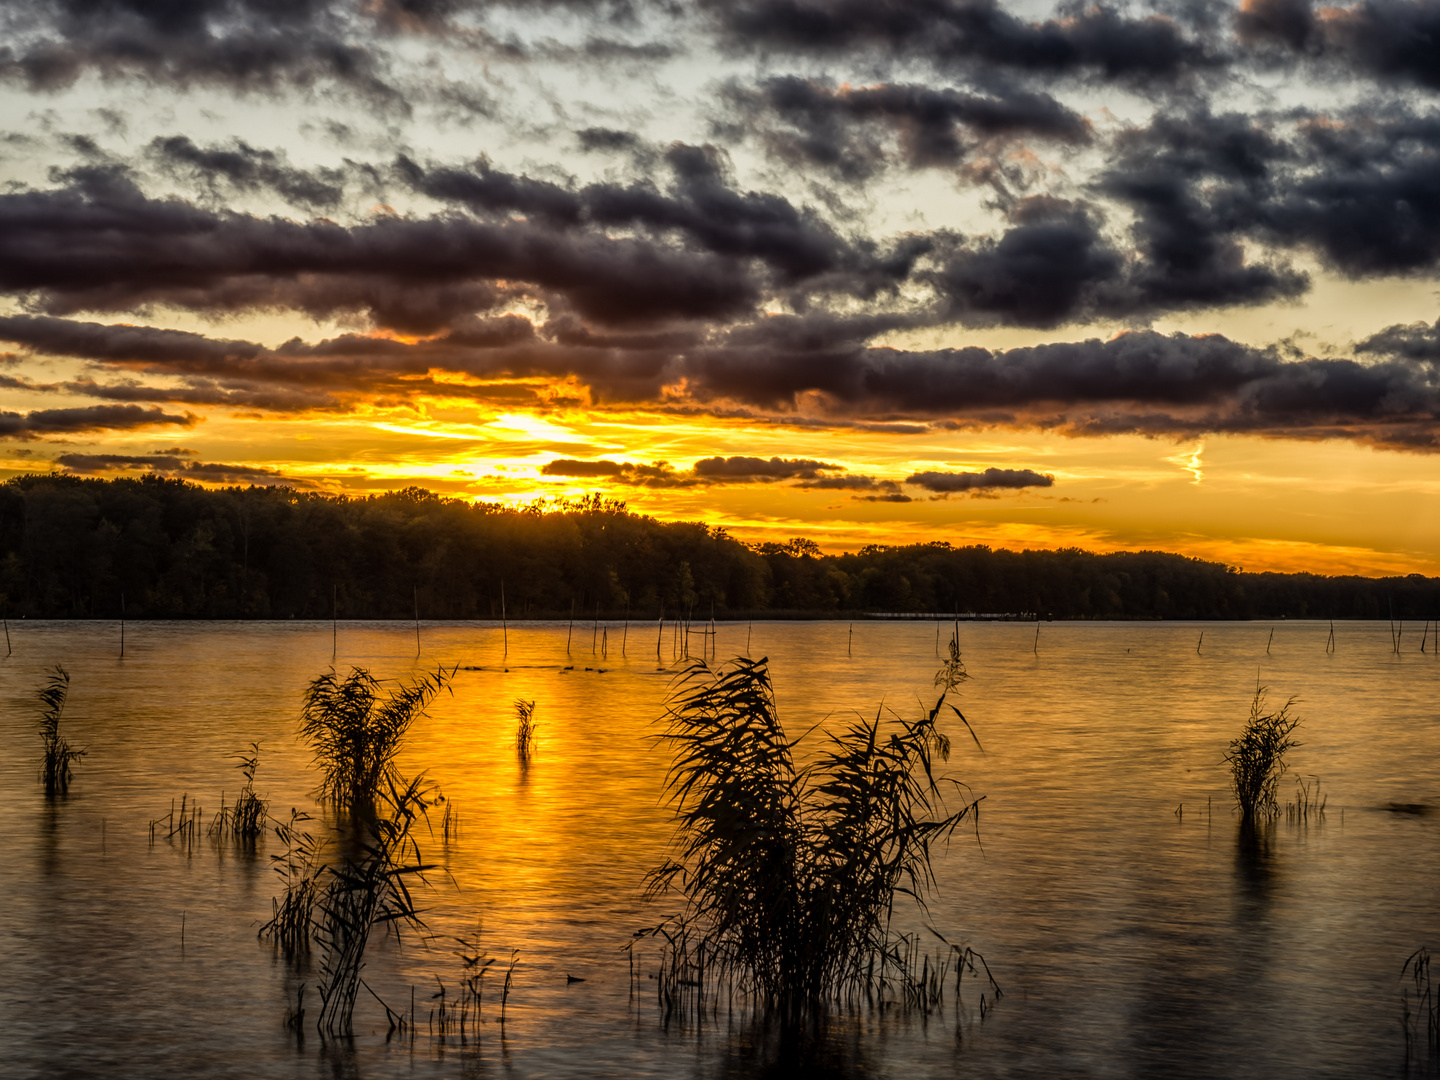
{"x":1131,"y":927}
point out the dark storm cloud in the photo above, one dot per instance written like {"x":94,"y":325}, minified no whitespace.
{"x":700,"y":205}
{"x":1414,"y":341}
{"x":241,"y":167}
{"x":1360,"y":189}
{"x":170,"y":465}
{"x":251,"y":45}
{"x":1098,"y":41}
{"x":99,"y":243}
{"x":843,"y":129}
{"x":948,"y":483}
{"x":748,"y":469}
{"x":1140,"y":382}
{"x":707,"y":471}
{"x":572,"y":467}
{"x":47,"y":422}
{"x":1389,"y":40}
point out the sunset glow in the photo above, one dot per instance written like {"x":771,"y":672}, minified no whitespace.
{"x":1181,"y":298}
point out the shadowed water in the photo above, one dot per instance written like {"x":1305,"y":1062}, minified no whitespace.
{"x":1134,"y":930}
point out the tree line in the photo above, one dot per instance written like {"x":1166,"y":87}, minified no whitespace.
{"x":73,"y":547}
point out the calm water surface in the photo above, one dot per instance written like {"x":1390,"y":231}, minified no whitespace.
{"x":1132,"y":931}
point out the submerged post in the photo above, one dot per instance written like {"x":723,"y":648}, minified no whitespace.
{"x":504,"y":625}
{"x":571,"y":632}
{"x":334,"y":621}
{"x":1036,"y":647}
{"x":7,"y":636}
{"x":595,"y":628}
{"x":659,"y":637}
{"x":417,"y":620}
{"x":122,"y":626}
{"x":625,"y":634}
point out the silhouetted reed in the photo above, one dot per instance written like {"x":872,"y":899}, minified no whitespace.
{"x":790,"y":876}
{"x":245,"y":821}
{"x":362,"y":893}
{"x":1257,"y":759}
{"x":1427,"y":1007}
{"x":55,"y":768}
{"x":1309,"y":802}
{"x":180,"y":827}
{"x":525,"y":727}
{"x":297,"y":865}
{"x":355,"y":733}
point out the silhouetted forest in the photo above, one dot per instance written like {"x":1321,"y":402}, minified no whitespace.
{"x":71,"y":547}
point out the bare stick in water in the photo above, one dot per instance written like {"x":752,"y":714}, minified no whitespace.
{"x":1036,"y":648}
{"x":122,"y":626}
{"x":504,"y":624}
{"x":1267,"y":643}
{"x":1200,"y":642}
{"x":417,"y":620}
{"x":571,"y":632}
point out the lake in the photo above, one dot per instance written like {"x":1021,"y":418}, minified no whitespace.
{"x":1109,"y":890}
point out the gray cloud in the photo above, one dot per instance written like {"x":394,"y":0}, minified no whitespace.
{"x":948,"y":483}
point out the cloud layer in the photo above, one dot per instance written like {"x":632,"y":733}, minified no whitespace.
{"x":745,"y":257}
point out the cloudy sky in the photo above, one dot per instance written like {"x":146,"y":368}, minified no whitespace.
{"x":868,"y":271}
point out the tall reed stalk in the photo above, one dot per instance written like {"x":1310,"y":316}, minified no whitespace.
{"x":55,"y":768}
{"x":355,"y":732}
{"x":790,"y":876}
{"x":1257,"y":759}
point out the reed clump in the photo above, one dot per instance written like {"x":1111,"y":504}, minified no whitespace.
{"x":525,"y":727}
{"x":790,"y":875}
{"x":1257,"y":758}
{"x":55,"y":765}
{"x":355,"y":726}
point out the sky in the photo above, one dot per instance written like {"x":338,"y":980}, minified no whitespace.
{"x":1117,"y":277}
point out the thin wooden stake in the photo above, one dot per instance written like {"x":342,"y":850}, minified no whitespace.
{"x":1036,"y":647}
{"x":659,"y":637}
{"x":1200,"y":642}
{"x":334,"y":621}
{"x":1272,"y":638}
{"x":595,"y":629}
{"x":417,"y":621}
{"x":7,"y":637}
{"x":504,"y":624}
{"x":122,"y":626}
{"x":625,"y":633}
{"x":571,"y":632}
{"x":850,"y":642}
